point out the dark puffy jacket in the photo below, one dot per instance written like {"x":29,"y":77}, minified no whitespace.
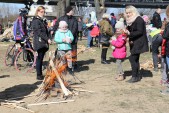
{"x":157,"y":20}
{"x":41,"y":34}
{"x":72,"y":26}
{"x":138,"y":39}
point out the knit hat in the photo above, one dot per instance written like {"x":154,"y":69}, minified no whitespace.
{"x":68,"y":9}
{"x":120,"y":24}
{"x":62,"y":24}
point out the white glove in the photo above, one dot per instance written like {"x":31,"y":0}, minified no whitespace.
{"x":113,"y":38}
{"x":112,"y":47}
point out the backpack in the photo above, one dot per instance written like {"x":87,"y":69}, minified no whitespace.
{"x":16,"y":30}
{"x":95,"y":31}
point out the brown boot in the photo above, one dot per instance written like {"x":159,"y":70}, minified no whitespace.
{"x":120,"y":78}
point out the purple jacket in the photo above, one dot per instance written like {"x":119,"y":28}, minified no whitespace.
{"x":120,"y":47}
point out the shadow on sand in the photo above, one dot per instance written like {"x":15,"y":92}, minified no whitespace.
{"x":18,"y":91}
{"x":82,"y":65}
{"x":4,"y":76}
{"x":144,"y":73}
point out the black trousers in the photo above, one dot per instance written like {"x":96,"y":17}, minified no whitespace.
{"x":39,"y":60}
{"x":135,"y":65}
{"x":104,"y":51}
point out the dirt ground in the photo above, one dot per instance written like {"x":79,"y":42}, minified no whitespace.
{"x":109,"y":96}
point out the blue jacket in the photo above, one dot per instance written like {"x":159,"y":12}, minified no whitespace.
{"x":59,"y":37}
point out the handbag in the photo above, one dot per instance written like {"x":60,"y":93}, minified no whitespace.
{"x":104,"y":39}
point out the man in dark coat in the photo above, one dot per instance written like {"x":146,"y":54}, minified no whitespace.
{"x":73,"y":27}
{"x":157,"y":19}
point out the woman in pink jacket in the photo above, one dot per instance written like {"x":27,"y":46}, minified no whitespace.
{"x":119,"y":48}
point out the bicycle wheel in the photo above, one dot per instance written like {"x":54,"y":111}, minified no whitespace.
{"x":9,"y":55}
{"x":25,"y":60}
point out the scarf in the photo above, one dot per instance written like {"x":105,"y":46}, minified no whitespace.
{"x":130,"y":20}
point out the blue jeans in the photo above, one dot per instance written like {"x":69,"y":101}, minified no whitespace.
{"x":167,"y":59}
{"x":164,"y":69}
{"x":89,"y":39}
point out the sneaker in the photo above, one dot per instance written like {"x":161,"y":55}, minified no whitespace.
{"x":120,"y":78}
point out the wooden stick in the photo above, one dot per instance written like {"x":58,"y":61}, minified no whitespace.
{"x":84,"y":90}
{"x":65,"y":90}
{"x":19,"y":107}
{"x":14,"y":101}
{"x":13,"y":105}
{"x":50,"y":103}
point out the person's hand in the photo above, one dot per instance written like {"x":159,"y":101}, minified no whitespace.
{"x":51,"y":32}
{"x":126,"y":32}
{"x":113,"y":38}
{"x":49,"y":41}
{"x":64,"y":39}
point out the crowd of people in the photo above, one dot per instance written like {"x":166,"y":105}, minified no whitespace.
{"x":130,"y":27}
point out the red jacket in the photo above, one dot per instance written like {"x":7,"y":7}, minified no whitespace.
{"x":163,"y":47}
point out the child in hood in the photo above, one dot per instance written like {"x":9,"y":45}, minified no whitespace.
{"x":119,"y":48}
{"x":63,"y":38}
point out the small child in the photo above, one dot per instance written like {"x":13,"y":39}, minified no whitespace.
{"x":119,"y":48}
{"x":64,"y":38}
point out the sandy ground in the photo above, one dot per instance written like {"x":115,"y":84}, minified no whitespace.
{"x":109,"y":96}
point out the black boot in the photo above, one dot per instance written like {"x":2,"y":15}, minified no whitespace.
{"x":40,"y":77}
{"x":103,"y":56}
{"x":104,"y":62}
{"x":133,"y":80}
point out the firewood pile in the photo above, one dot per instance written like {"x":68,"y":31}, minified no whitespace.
{"x":56,"y":74}
{"x":8,"y":34}
{"x":147,"y":65}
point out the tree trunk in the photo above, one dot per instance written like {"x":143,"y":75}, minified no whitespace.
{"x":67,"y":3}
{"x":61,"y":8}
{"x":100,"y":9}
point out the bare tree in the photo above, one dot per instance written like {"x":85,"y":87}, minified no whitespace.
{"x":8,"y":13}
{"x":100,"y":8}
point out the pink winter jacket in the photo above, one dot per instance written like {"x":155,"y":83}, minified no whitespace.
{"x":120,"y":47}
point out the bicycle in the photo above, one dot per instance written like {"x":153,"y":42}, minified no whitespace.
{"x":22,"y":57}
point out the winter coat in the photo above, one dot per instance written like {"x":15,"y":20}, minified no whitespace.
{"x":80,"y":26}
{"x":41,"y":34}
{"x":105,"y":27}
{"x":156,"y":20}
{"x":72,"y":26}
{"x":138,"y":39}
{"x":59,"y":39}
{"x":120,"y":47}
{"x":166,"y":37}
{"x":113,"y":21}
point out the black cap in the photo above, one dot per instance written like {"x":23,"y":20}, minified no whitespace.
{"x":112,"y":14}
{"x":68,"y":9}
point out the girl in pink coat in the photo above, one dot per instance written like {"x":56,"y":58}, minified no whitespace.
{"x":119,"y":48}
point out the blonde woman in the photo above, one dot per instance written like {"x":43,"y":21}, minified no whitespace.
{"x":106,"y":32}
{"x":41,"y":39}
{"x":137,"y":40}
